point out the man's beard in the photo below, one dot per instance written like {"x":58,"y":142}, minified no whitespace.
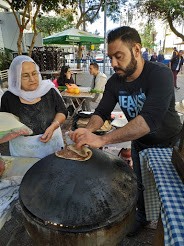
{"x":129,"y":69}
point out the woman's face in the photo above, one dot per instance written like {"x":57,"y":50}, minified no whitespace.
{"x":68,"y":73}
{"x":29,"y":77}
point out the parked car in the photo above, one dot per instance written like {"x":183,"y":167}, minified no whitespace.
{"x":99,"y":58}
{"x":167,"y":59}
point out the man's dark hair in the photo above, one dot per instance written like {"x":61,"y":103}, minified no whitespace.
{"x":126,"y":34}
{"x":95,"y":65}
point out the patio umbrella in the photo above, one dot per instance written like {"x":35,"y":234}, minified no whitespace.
{"x":73,"y":36}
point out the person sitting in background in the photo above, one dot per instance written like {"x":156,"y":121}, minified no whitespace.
{"x":65,"y":76}
{"x":38,"y":105}
{"x":98,"y":84}
{"x":160,"y":57}
{"x":99,"y":80}
{"x":175,"y":64}
{"x":154,"y":57}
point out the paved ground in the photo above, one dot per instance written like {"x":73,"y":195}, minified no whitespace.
{"x":14,"y":234}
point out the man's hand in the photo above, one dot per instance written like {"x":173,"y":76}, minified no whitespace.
{"x":47,"y":134}
{"x":83,"y":136}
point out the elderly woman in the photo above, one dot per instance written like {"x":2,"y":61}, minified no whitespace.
{"x":38,"y":104}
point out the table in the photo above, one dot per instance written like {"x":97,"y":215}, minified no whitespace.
{"x":51,"y":73}
{"x":170,"y":192}
{"x":78,"y":99}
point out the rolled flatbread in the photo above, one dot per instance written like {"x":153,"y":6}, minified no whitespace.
{"x":71,"y":153}
{"x":106,"y":126}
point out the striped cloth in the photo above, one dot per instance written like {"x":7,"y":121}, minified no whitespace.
{"x":171,"y":193}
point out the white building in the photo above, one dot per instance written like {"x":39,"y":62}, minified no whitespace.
{"x":9,"y":31}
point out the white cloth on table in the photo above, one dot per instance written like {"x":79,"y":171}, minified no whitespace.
{"x":31,"y":146}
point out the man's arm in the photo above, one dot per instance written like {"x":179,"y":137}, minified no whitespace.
{"x":95,"y":123}
{"x":134,"y":129}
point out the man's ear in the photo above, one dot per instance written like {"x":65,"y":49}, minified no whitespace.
{"x":137,"y":50}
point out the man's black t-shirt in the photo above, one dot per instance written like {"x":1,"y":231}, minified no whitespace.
{"x":36,"y":116}
{"x":151,"y":95}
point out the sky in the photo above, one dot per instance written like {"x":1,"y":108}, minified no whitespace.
{"x":99,"y":26}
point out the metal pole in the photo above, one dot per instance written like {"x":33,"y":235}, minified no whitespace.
{"x":105,"y":19}
{"x":84,"y":9}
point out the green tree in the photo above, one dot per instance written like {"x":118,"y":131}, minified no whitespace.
{"x":5,"y":59}
{"x":171,"y":11}
{"x":49,"y":25}
{"x":26,"y":9}
{"x":89,"y":10}
{"x":147,"y":35}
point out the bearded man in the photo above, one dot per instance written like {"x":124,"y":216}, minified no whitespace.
{"x":145,"y":93}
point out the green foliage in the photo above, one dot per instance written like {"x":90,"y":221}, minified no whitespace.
{"x":163,"y":8}
{"x":5,"y":59}
{"x":170,"y":10}
{"x":96,"y":91}
{"x":147,"y":35}
{"x":50,"y":25}
{"x":47,"y":5}
{"x":114,"y":9}
{"x":92,"y":8}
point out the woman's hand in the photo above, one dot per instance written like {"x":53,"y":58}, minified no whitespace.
{"x":68,"y":74}
{"x":47,"y":134}
{"x":83,"y":136}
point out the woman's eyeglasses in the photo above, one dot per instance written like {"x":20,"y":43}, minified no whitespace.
{"x":28,"y":76}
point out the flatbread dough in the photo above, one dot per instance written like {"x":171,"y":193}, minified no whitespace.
{"x":11,"y":127}
{"x":82,"y":122}
{"x":106,"y":126}
{"x":71,"y":153}
{"x":9,"y":121}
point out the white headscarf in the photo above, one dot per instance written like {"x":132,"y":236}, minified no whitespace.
{"x":14,"y":80}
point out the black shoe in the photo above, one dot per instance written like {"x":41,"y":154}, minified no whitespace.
{"x":177,"y":88}
{"x":136,"y":228}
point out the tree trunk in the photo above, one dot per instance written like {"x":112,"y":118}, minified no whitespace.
{"x":32,"y":43}
{"x":34,"y":27}
{"x":173,"y":29}
{"x":19,"y":41}
{"x":79,"y":56}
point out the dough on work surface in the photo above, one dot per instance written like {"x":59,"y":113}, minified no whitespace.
{"x":82,"y":122}
{"x":11,"y":127}
{"x":71,"y":153}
